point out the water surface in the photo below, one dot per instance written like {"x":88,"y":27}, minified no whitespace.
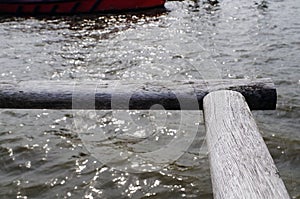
{"x":49,"y":154}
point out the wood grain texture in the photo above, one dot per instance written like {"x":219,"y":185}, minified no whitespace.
{"x":241,"y":165}
{"x":172,"y":95}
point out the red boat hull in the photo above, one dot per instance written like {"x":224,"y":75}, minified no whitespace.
{"x":34,"y":7}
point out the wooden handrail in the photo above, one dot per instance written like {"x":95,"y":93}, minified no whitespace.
{"x":172,"y":95}
{"x":241,"y":165}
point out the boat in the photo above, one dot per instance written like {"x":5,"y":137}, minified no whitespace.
{"x":55,"y":7}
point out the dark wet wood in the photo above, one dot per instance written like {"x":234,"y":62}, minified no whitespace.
{"x":240,"y":163}
{"x":172,"y":95}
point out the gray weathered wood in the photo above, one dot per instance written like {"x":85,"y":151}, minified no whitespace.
{"x":173,"y":95}
{"x":241,"y":165}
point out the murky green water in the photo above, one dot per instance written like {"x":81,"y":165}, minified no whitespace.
{"x":49,"y":154}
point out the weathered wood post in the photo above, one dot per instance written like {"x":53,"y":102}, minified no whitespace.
{"x":241,"y":165}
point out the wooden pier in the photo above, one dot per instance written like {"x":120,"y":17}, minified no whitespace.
{"x":241,"y":165}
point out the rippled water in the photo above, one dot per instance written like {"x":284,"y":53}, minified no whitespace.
{"x":49,"y":154}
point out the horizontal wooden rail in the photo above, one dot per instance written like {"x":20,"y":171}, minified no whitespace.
{"x":240,"y":163}
{"x":172,"y":95}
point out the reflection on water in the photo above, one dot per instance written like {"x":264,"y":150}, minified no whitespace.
{"x":43,"y":156}
{"x":139,"y":141}
{"x":48,"y":154}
